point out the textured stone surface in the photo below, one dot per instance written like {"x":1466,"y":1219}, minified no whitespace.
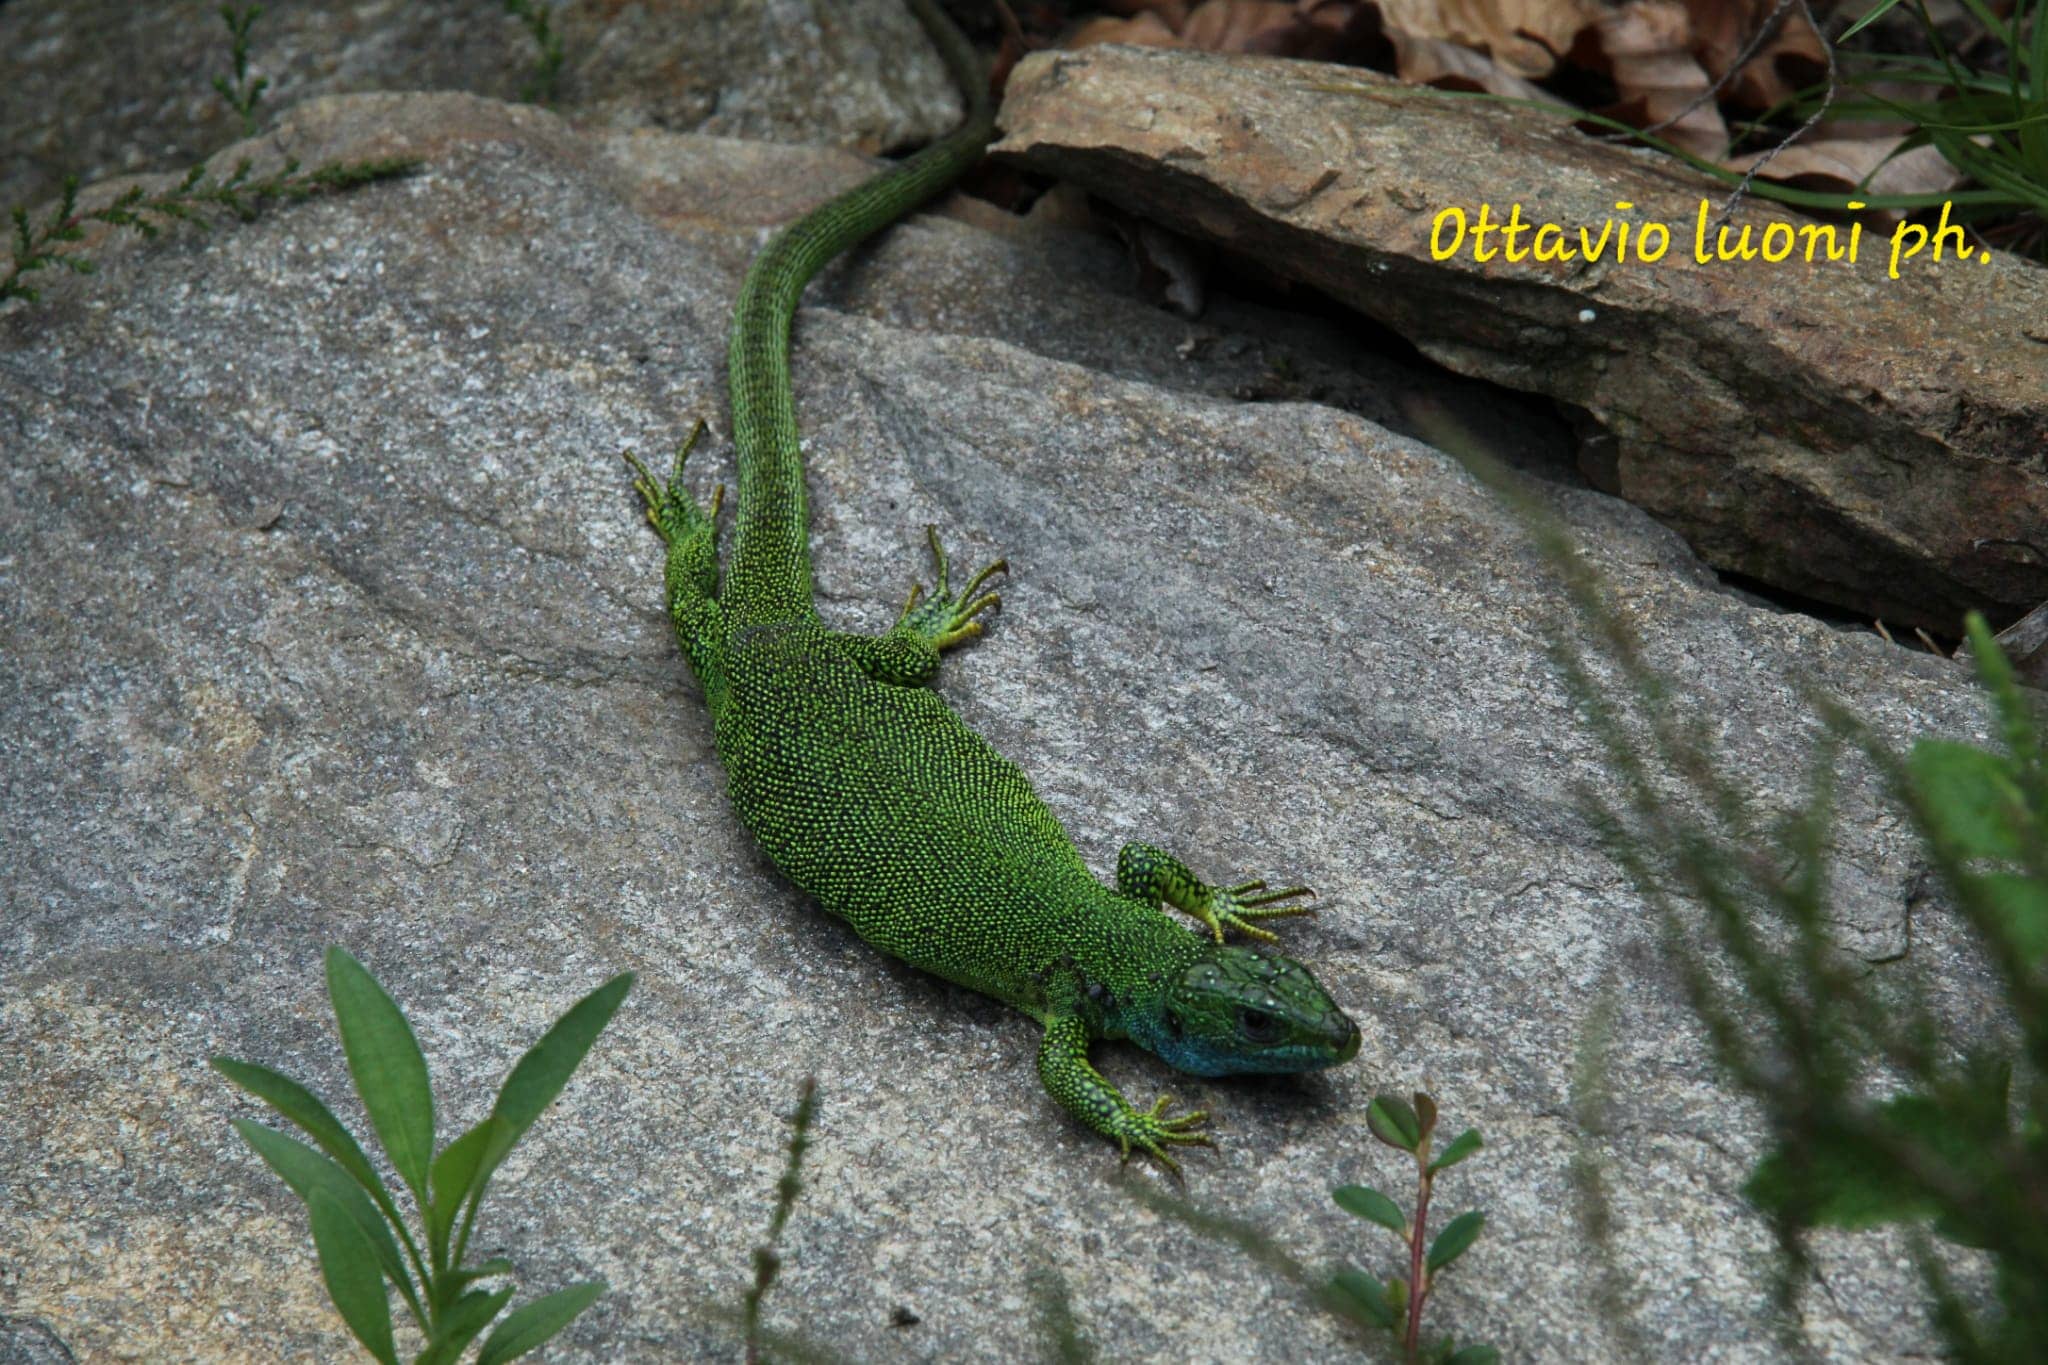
{"x":326,"y":616}
{"x":103,"y":87}
{"x":1879,"y":444}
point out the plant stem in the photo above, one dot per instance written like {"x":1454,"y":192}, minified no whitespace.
{"x":767,"y":1264}
{"x":1418,"y":1272}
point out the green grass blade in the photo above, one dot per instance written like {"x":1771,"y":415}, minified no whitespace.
{"x":2037,"y":53}
{"x":348,"y":1263}
{"x":461,"y":1325}
{"x":497,"y":1265}
{"x":457,"y":1171}
{"x":1869,"y":18}
{"x":310,"y":1174}
{"x":306,"y":1109}
{"x":389,"y":1070}
{"x":1764,"y":189}
{"x":540,"y":1075}
{"x":531,"y":1325}
{"x":1992,"y":23}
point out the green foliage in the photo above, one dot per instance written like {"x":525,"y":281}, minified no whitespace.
{"x":1880,"y":1110}
{"x":538,"y":17}
{"x":1396,"y":1305}
{"x":767,"y":1262}
{"x":1990,"y":121}
{"x":1955,"y":1148}
{"x":241,"y":93}
{"x":1988,"y":118}
{"x":1612,"y":1294}
{"x":1381,"y":1307}
{"x":55,"y":242}
{"x":365,"y":1246}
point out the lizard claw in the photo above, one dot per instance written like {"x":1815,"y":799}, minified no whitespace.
{"x":670,"y":508}
{"x":1153,"y":1131}
{"x":1235,"y":907}
{"x":946,"y":618}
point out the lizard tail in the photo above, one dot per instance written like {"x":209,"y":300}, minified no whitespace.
{"x":770,"y":575}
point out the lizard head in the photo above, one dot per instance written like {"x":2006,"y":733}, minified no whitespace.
{"x":1237,"y":1011}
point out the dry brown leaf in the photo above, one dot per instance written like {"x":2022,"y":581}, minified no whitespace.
{"x":1452,"y":66}
{"x":1173,"y":13}
{"x":1339,"y":31}
{"x":1792,"y":59}
{"x":1266,"y":26}
{"x":1841,"y":164}
{"x":1317,"y":30}
{"x":1646,"y":47}
{"x":1146,"y":30}
{"x":1524,"y":36}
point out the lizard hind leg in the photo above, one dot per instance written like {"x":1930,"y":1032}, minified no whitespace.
{"x":690,"y":531}
{"x":945,"y":618}
{"x":1153,"y":875}
{"x":670,"y":508}
{"x":908,"y":654}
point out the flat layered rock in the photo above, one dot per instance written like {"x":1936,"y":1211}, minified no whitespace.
{"x":104,"y":87}
{"x":327,"y":617}
{"x":1877,"y":443}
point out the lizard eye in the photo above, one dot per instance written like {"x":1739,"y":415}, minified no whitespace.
{"x":1258,"y":1026}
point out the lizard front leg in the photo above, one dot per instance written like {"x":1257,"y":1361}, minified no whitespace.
{"x":1153,"y":875}
{"x":1081,"y":1090}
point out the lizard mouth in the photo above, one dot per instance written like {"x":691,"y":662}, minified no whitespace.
{"x":1348,"y":1049}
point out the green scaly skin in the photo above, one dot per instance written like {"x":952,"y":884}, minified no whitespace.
{"x":870,"y":794}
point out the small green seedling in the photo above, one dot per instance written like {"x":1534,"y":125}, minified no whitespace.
{"x":241,"y":94}
{"x":1396,"y":1305}
{"x":356,"y":1225}
{"x":539,"y":18}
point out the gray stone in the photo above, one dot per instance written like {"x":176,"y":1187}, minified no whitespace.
{"x":327,"y":617}
{"x":105,"y":87}
{"x":1869,"y":442}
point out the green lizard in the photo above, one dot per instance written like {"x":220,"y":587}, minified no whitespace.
{"x":869,"y":793}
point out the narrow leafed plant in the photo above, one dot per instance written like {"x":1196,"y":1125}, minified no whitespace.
{"x":1881,"y":1109}
{"x":1987,"y":117}
{"x":1396,"y":1303}
{"x":54,"y":240}
{"x":538,"y":17}
{"x":241,"y":93}
{"x":767,"y":1260}
{"x":1059,"y":1332}
{"x":366,"y":1248}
